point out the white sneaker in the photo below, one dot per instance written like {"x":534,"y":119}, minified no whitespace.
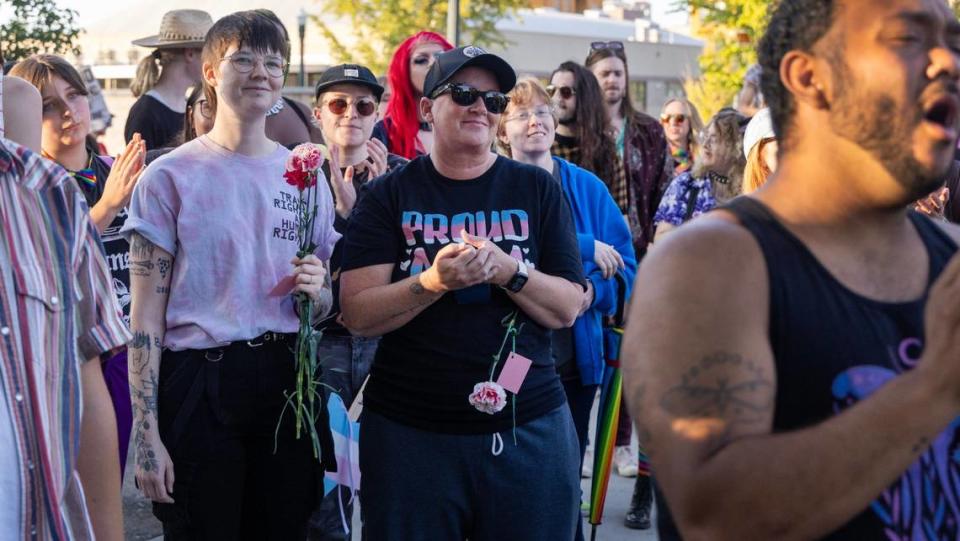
{"x":625,"y":461}
{"x":587,"y":470}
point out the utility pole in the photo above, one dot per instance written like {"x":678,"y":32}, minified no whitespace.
{"x":453,"y":22}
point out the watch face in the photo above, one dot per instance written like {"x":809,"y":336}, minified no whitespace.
{"x":517,"y":283}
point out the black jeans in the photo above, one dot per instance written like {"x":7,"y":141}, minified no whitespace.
{"x":580,"y":397}
{"x":218,"y":411}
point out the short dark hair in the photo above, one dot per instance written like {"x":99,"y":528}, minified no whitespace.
{"x":254,"y":29}
{"x":40,"y":69}
{"x":796,"y":25}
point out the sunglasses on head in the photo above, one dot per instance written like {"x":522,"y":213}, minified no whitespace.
{"x":676,"y":120}
{"x":601,"y":45}
{"x":566,"y":92}
{"x":466,"y":95}
{"x":338,"y":106}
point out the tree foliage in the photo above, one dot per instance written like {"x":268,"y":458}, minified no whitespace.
{"x":38,"y":26}
{"x":730,"y":30}
{"x":378,"y":26}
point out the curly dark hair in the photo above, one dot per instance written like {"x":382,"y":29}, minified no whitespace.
{"x":795,"y":25}
{"x":598,"y":148}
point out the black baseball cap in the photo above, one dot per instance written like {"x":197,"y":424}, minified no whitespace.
{"x":348,"y":74}
{"x":450,"y":62}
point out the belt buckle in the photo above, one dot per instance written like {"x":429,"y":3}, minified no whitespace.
{"x":255,"y":344}
{"x":218,"y":358}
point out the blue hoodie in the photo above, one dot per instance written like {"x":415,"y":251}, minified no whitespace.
{"x":596,"y":217}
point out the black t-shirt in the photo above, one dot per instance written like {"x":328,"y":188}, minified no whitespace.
{"x":330,"y":325}
{"x":425,"y":370}
{"x":117,"y":248}
{"x":158,"y":124}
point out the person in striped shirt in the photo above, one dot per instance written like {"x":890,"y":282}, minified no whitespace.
{"x":58,"y":315}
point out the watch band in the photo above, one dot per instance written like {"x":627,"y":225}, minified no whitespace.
{"x":519,"y":279}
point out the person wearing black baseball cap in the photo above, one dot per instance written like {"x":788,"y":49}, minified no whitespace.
{"x":347,"y":97}
{"x":463,"y":261}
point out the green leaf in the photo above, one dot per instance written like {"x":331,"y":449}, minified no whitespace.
{"x":730,"y":31}
{"x":39,"y":26}
{"x":377,"y":36}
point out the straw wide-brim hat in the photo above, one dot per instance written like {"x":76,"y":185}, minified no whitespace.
{"x":179,"y":28}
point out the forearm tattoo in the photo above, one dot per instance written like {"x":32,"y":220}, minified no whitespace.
{"x":144,"y":352}
{"x":416,"y":288}
{"x":143,"y":395}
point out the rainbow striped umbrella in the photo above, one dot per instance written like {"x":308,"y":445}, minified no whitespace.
{"x":611,"y":394}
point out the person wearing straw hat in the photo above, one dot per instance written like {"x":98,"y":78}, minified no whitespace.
{"x":164,"y":76}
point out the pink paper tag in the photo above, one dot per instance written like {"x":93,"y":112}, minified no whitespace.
{"x":514,"y":372}
{"x":283,"y":288}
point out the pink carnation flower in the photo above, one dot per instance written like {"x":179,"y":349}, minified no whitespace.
{"x":307,"y":157}
{"x":488,"y":397}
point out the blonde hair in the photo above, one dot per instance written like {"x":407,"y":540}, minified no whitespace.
{"x":148,"y":70}
{"x":756,"y":172}
{"x":728,"y":149}
{"x":524,"y":94}
{"x":696,"y":123}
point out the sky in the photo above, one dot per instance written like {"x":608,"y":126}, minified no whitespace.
{"x":91,"y":10}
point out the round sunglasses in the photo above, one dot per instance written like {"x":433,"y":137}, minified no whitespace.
{"x":676,"y":120}
{"x":566,"y":92}
{"x":338,"y":106}
{"x":466,"y":95}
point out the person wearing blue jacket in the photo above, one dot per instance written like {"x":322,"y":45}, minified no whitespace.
{"x":526,"y":133}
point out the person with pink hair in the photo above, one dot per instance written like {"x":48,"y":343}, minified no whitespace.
{"x":403,"y":130}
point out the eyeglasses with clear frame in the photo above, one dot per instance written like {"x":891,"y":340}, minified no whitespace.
{"x":243,"y":62}
{"x":543,"y":114}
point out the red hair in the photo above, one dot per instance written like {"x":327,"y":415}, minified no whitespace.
{"x":402,"y":118}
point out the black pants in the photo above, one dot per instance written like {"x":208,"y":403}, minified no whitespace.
{"x":218,"y":412}
{"x":580,"y":397}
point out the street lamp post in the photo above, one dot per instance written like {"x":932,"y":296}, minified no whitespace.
{"x":453,"y":22}
{"x":302,"y":28}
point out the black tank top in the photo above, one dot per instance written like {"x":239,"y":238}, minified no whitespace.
{"x":833,"y":347}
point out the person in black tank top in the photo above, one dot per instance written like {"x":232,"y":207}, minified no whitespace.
{"x":792,"y":358}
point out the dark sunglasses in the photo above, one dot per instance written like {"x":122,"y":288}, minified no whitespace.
{"x":601,"y":45}
{"x":338,"y":106}
{"x":566,"y":92}
{"x":465,"y":96}
{"x":676,"y":120}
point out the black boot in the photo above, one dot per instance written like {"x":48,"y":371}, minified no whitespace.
{"x":638,"y":516}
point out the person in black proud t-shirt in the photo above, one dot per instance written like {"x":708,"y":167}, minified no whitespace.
{"x":791,"y":360}
{"x":464,"y":261}
{"x":347,"y":99}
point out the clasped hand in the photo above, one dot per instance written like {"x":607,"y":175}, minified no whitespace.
{"x":474,"y":261}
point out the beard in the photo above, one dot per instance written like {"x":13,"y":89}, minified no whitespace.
{"x":567,"y":118}
{"x":873,"y":120}
{"x":613,"y":96}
